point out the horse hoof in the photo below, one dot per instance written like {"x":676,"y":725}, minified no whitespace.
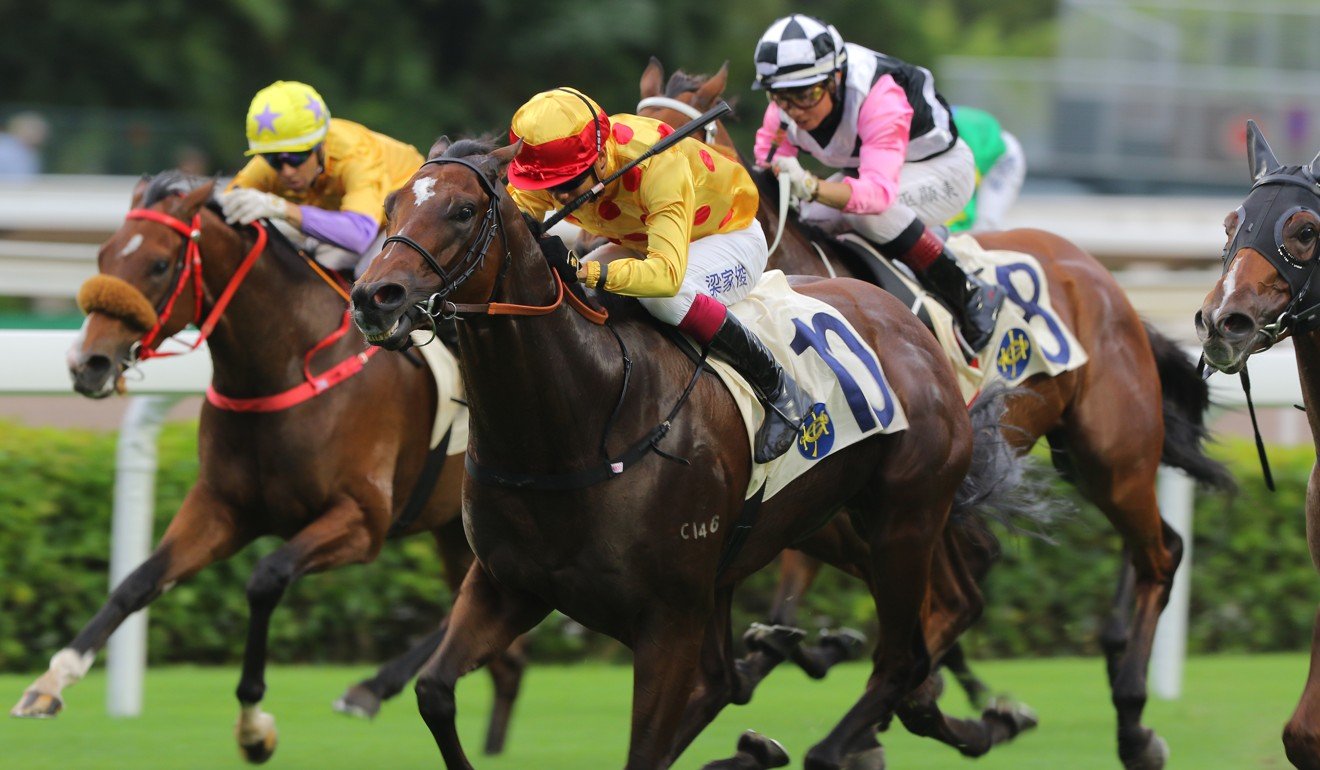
{"x":767,"y":751}
{"x":257,"y":738}
{"x":1152,"y":756}
{"x":359,"y":702}
{"x":850,"y":642}
{"x":773,"y":640}
{"x":1018,"y":717}
{"x":37,"y":705}
{"x":871,"y":759}
{"x":257,"y":753}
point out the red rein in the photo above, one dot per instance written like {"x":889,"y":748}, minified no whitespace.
{"x":312,"y":386}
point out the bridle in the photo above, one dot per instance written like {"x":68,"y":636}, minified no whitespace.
{"x":1291,"y":192}
{"x":438,"y":307}
{"x":191,"y":269}
{"x":665,"y":102}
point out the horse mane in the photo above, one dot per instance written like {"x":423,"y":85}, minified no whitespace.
{"x":168,"y":183}
{"x":479,"y":145}
{"x":681,"y":83}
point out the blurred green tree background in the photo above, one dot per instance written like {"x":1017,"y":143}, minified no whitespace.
{"x":129,"y":84}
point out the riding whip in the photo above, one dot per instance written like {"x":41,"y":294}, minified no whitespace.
{"x":714,"y":113}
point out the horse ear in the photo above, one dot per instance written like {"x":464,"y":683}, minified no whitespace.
{"x":505,"y":155}
{"x":439,"y":147}
{"x":713,"y":88}
{"x":198,"y":197}
{"x":139,"y":190}
{"x":1315,"y":166}
{"x":653,"y":78}
{"x":1259,"y":154}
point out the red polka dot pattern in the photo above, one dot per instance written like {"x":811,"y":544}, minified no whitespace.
{"x":665,"y":130}
{"x":643,"y":218}
{"x":701,"y":216}
{"x":706,"y":159}
{"x":726,"y":219}
{"x":572,"y":219}
{"x":632,"y":179}
{"x":608,"y":210}
{"x":622,"y":134}
{"x":636,"y":237}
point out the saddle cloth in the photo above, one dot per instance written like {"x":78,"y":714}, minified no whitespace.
{"x":831,"y":363}
{"x":450,"y":411}
{"x":1030,"y":338}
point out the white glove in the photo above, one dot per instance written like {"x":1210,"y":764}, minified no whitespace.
{"x":802,"y":183}
{"x":244,"y":206}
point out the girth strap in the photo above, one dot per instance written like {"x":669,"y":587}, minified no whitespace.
{"x":421,"y":492}
{"x":742,"y":528}
{"x":484,"y":474}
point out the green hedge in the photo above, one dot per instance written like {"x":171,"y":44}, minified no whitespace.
{"x":1254,"y":586}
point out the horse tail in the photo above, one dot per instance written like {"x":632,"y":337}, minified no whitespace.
{"x":1001,"y":484}
{"x":1186,"y":399}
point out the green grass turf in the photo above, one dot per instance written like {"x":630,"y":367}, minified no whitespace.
{"x":577,"y":717}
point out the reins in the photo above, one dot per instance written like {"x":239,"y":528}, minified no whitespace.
{"x":312,"y":385}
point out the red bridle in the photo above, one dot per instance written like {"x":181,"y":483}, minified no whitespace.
{"x":312,"y":386}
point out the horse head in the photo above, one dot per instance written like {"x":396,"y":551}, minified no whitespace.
{"x":684,"y":98}
{"x":140,"y":268}
{"x":1268,"y":288}
{"x":445,"y":241}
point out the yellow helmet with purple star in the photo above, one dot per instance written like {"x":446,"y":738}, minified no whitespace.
{"x":286,"y":116}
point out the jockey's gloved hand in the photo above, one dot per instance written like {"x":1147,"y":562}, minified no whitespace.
{"x":803,"y":183}
{"x":560,"y":257}
{"x":244,"y":206}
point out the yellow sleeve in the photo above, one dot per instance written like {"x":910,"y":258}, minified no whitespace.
{"x":366,"y":184}
{"x":530,"y":203}
{"x":256,"y":175}
{"x":667,"y":195}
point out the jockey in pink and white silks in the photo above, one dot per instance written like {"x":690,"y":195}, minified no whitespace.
{"x":902,"y":167}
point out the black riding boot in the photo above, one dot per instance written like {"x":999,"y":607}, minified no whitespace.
{"x":973,"y":301}
{"x":785,"y":403}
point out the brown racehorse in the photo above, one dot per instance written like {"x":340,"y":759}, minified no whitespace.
{"x":327,"y":478}
{"x":1266,"y":293}
{"x":562,"y":517}
{"x":1109,"y":424}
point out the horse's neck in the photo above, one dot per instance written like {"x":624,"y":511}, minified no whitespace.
{"x":275,"y":316}
{"x":1307,"y":349}
{"x":538,"y":387}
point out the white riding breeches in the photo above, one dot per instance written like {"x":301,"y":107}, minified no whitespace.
{"x":933,"y":190}
{"x":725,"y":266}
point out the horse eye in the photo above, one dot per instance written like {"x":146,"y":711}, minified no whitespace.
{"x":465,"y":214}
{"x":159,"y":267}
{"x":1307,"y":233}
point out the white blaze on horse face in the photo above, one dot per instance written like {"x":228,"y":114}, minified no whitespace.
{"x":131,"y":246}
{"x":1228,"y":285}
{"x":423,"y":191}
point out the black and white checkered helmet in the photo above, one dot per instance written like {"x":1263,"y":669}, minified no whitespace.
{"x":797,"y":51}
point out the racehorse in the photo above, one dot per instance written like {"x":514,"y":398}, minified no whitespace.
{"x":1266,"y":293}
{"x":1109,"y":424}
{"x":561,"y":517}
{"x":330,"y":480}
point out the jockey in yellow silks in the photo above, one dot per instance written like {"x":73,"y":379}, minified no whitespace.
{"x":323,"y":180}
{"x":681,"y":225}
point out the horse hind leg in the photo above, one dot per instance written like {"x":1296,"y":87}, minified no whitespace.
{"x":202,"y":532}
{"x":1000,"y":721}
{"x":364,"y":699}
{"x":506,"y":671}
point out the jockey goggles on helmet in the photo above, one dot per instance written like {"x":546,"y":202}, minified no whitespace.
{"x":802,"y":98}
{"x":278,"y":160}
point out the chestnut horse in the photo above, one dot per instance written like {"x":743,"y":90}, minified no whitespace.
{"x":329,"y":479}
{"x":1109,"y":424}
{"x":1266,"y":293}
{"x":562,"y":518}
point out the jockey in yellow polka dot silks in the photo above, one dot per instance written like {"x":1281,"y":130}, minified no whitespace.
{"x":682,"y":228}
{"x":322,"y":180}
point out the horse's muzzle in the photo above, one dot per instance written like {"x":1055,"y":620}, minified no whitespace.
{"x":93,"y":375}
{"x":382,"y":314}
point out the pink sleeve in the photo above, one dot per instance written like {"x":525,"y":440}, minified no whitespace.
{"x":765,"y":136}
{"x":883,"y":123}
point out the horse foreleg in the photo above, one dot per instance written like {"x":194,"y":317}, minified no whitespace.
{"x":203,"y":531}
{"x":339,"y":536}
{"x":1301,"y":736}
{"x":666,"y":658}
{"x":978,"y":692}
{"x":487,"y":617}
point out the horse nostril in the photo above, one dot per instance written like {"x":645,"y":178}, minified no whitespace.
{"x":96,"y":365}
{"x":1236,"y":325}
{"x":1199,"y":321}
{"x":389,"y":297}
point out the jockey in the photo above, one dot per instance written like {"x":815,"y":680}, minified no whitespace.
{"x":682,"y":230}
{"x":1000,"y":170}
{"x":321,"y":180}
{"x":880,"y":120}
